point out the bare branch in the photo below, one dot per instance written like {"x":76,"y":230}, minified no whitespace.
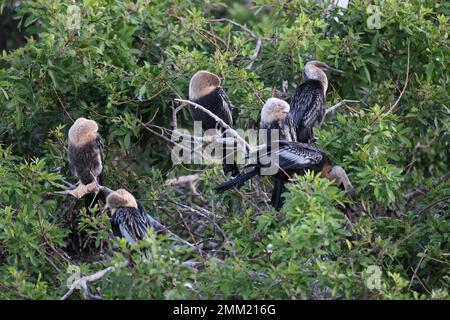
{"x":337,"y":105}
{"x":258,"y":39}
{"x":421,"y":214}
{"x":417,"y":147}
{"x":219,"y":120}
{"x":406,"y":82}
{"x":250,"y":32}
{"x":255,"y":53}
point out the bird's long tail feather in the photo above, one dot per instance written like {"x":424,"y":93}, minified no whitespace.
{"x":236,"y":181}
{"x":233,"y":168}
{"x":277,"y":200}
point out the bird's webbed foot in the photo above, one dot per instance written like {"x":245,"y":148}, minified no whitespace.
{"x":77,"y":192}
{"x":93,"y":187}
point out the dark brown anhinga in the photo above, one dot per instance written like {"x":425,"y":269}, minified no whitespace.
{"x":276,"y":119}
{"x":291,"y":158}
{"x":85,"y":157}
{"x":307,"y":104}
{"x":129,"y":219}
{"x":205,"y":90}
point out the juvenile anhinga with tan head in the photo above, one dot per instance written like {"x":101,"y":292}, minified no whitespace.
{"x":205,"y":90}
{"x":275,"y":116}
{"x":129,"y":219}
{"x":277,"y":120}
{"x":289,"y":158}
{"x":85,"y":158}
{"x":307,"y":104}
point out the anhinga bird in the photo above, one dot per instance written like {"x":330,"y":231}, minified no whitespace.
{"x":275,"y":116}
{"x":205,"y":90}
{"x":85,"y":158}
{"x":129,"y":219}
{"x":277,"y":120}
{"x":291,"y":158}
{"x":307,"y":104}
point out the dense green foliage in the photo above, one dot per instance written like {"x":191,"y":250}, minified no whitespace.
{"x":122,"y":63}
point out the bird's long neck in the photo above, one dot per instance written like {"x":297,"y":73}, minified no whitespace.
{"x":340,"y":176}
{"x":311,"y":72}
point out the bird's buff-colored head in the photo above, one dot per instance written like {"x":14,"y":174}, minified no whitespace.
{"x":314,"y":70}
{"x":202,"y":83}
{"x":274,"y":110}
{"x":120,"y":198}
{"x":83,"y":131}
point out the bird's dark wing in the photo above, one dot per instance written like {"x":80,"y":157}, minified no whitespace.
{"x":130,"y":223}
{"x":296,"y":156}
{"x":285,"y":127}
{"x":85,"y":161}
{"x":218,"y":103}
{"x":227,"y":106}
{"x":306,"y":106}
{"x":291,"y":132}
{"x":144,"y":218}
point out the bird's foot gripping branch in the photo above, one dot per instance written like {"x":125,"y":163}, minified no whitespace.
{"x":81,"y":190}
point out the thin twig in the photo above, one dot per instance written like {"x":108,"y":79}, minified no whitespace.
{"x":255,"y":53}
{"x":337,"y":105}
{"x":421,"y":214}
{"x":417,"y":147}
{"x":250,"y":32}
{"x":62,"y":104}
{"x":219,"y":120}
{"x":258,"y":39}
{"x":406,"y":82}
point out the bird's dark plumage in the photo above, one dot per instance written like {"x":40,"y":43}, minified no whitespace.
{"x":307,"y":108}
{"x":288,"y":158}
{"x":85,"y":160}
{"x":278,"y":121}
{"x":129,"y":219}
{"x":307,"y":104}
{"x":218,"y":103}
{"x":277,"y":200}
{"x":205,"y":90}
{"x":85,"y":155}
{"x":85,"y":147}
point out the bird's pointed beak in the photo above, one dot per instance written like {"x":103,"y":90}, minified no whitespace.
{"x":334,"y":70}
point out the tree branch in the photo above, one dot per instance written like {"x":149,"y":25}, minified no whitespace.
{"x":337,"y":105}
{"x":406,"y":82}
{"x":219,"y":120}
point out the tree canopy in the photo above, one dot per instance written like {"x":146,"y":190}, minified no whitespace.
{"x":123,"y":64}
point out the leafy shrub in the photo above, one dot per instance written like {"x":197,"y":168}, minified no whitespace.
{"x":122,"y":63}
